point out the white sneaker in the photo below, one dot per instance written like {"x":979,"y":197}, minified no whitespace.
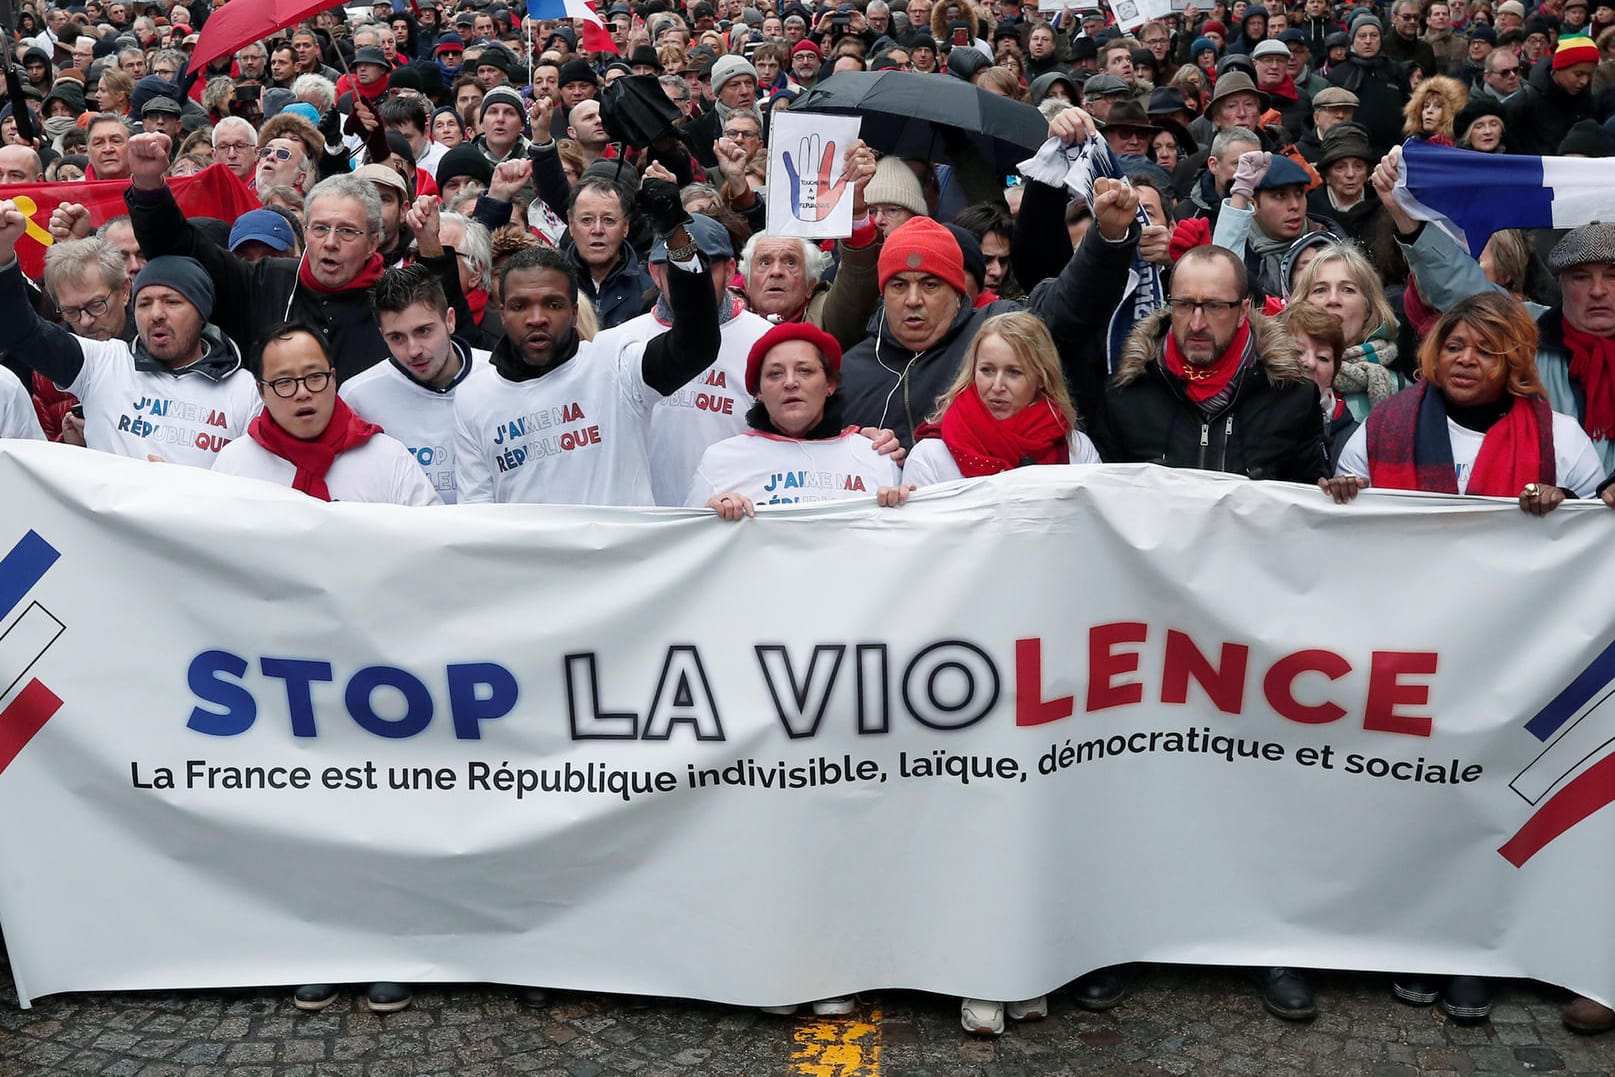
{"x":833,"y":1007}
{"x":981,"y":1017}
{"x":1032,"y":1009}
{"x":780,"y":1011}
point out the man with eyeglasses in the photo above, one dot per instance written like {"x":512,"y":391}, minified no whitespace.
{"x":308,"y":438}
{"x":608,"y":270}
{"x":1554,"y":98}
{"x":176,"y":392}
{"x":1502,"y":77}
{"x":252,"y":60}
{"x":283,"y":162}
{"x":329,"y":288}
{"x":89,"y":283}
{"x":1211,"y":384}
{"x":1403,"y":44}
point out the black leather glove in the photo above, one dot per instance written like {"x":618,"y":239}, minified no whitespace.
{"x":331,"y":126}
{"x":660,"y":201}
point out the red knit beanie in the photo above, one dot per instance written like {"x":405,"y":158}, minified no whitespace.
{"x":787,"y":331}
{"x":1574,"y":50}
{"x":1212,"y":26}
{"x":920,"y":245}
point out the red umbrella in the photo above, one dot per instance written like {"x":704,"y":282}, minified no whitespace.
{"x":243,"y":21}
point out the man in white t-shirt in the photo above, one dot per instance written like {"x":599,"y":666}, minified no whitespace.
{"x":713,"y":406}
{"x":555,"y":419}
{"x":17,"y":416}
{"x":412,"y":396}
{"x":177,"y":393}
{"x":309,"y":439}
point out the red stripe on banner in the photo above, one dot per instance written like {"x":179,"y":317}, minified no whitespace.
{"x":26,"y":716}
{"x":1591,"y":790}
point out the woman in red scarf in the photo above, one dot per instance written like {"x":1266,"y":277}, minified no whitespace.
{"x":309,"y":439}
{"x":1007,"y":408}
{"x":1478,"y":423}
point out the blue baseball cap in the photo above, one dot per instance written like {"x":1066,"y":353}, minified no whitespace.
{"x":1283,"y":172}
{"x":711,"y":239}
{"x":265,"y":226}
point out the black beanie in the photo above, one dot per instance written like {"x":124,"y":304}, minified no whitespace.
{"x":185,"y":275}
{"x":1587,"y":139}
{"x":464,"y":160}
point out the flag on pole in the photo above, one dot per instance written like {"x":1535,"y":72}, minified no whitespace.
{"x":1470,"y":195}
{"x":213,"y":192}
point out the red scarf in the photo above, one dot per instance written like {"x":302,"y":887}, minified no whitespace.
{"x":313,"y":459}
{"x":983,"y":445}
{"x":1207,"y":381}
{"x":1592,"y":364}
{"x":477,"y":300}
{"x":369,"y":274}
{"x":1511,"y":453}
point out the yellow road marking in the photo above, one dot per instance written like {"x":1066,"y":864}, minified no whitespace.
{"x":840,"y":1047}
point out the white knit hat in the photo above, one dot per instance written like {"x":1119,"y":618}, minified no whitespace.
{"x":894,"y":185}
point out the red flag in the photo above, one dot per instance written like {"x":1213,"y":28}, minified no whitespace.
{"x":596,"y":38}
{"x":213,"y":192}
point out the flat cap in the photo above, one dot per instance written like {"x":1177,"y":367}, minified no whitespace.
{"x":1591,"y":243}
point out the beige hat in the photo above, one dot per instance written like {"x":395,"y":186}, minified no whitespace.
{"x":386,"y":177}
{"x":894,"y":185}
{"x":1334,"y":97}
{"x":1511,"y":7}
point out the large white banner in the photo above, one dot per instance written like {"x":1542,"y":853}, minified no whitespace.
{"x":1013,"y":731}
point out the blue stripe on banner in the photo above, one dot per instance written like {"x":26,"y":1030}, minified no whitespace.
{"x":1481,"y":193}
{"x":23,"y":567}
{"x":547,"y":9}
{"x":1575,"y":696}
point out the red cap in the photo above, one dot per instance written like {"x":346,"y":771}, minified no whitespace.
{"x":807,"y":46}
{"x":920,"y":245}
{"x":780,"y":334}
{"x":1212,"y":26}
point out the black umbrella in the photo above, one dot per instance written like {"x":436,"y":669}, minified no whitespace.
{"x":925,"y":117}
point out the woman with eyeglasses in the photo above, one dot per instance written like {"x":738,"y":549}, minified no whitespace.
{"x":307,"y":438}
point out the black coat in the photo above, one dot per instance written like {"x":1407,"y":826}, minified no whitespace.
{"x":1536,"y":119}
{"x":884,"y":384}
{"x":1378,"y":86}
{"x":1271,"y":429}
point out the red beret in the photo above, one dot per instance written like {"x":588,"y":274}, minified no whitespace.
{"x":921,"y":245}
{"x":780,"y":334}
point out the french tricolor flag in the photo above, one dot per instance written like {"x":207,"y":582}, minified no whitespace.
{"x":594,"y":38}
{"x":1471,"y":195}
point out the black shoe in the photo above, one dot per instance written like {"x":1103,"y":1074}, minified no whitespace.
{"x":387,"y":997}
{"x":534,"y":996}
{"x":1415,"y":990}
{"x":1286,"y":994}
{"x":1103,"y":988}
{"x":314,"y":997}
{"x":1466,"y":1000}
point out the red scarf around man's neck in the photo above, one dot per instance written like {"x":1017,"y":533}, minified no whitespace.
{"x":1204,"y":382}
{"x":983,"y":445}
{"x":366,"y":279}
{"x":1592,"y":364}
{"x":313,"y":459}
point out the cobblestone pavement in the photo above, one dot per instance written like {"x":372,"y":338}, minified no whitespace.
{"x":1178,"y":1021}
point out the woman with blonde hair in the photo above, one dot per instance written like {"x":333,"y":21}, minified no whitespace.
{"x":1342,"y":281}
{"x":1008,"y":407}
{"x":1432,"y":109}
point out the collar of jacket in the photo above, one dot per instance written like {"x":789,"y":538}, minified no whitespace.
{"x":219,"y":358}
{"x":512,"y":367}
{"x":1276,"y":353}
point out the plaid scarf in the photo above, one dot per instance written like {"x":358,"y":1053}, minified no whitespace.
{"x":1410,"y":448}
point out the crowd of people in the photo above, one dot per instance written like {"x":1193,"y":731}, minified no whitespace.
{"x":495,"y":259}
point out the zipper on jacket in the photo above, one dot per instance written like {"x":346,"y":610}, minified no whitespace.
{"x":1205,"y":439}
{"x":1227,"y":434}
